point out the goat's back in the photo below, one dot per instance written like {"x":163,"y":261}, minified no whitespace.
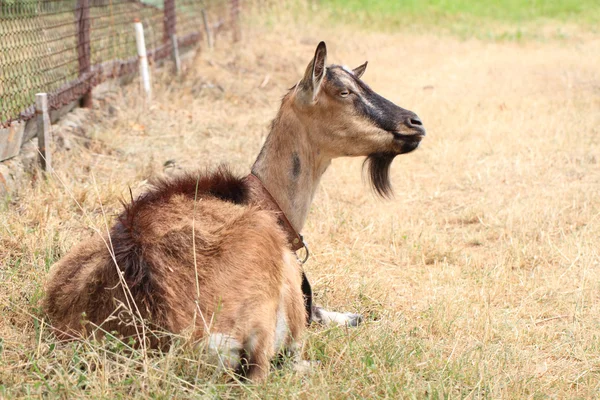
{"x":192,"y":251}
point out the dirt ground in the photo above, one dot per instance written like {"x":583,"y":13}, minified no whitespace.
{"x":480,"y":278}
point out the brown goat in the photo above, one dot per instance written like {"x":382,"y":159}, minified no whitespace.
{"x":202,"y":252}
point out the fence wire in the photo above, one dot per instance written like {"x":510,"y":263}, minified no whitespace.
{"x":64,"y":47}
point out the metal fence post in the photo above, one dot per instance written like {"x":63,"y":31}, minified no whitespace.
{"x":83,"y":46}
{"x":143,"y":58}
{"x":209,"y":36}
{"x":43,"y":131}
{"x":169,"y":20}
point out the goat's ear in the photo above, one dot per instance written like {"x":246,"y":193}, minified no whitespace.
{"x":360,"y":70}
{"x":313,"y":77}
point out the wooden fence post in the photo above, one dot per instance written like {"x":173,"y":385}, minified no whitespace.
{"x":143,"y":58}
{"x":169,"y":20}
{"x":175,"y":54}
{"x":43,"y":131}
{"x":83,"y":46}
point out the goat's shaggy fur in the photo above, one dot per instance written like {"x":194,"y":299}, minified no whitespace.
{"x":233,"y":283}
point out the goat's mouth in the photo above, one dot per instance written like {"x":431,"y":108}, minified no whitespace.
{"x":407,"y":142}
{"x":413,"y":137}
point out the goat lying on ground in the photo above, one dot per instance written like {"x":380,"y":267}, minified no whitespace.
{"x":213,"y":253}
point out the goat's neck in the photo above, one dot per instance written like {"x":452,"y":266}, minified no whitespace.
{"x":290,"y":166}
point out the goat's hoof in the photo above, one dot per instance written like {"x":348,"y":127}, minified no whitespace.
{"x":354,"y":320}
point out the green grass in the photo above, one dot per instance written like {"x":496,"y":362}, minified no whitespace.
{"x":496,"y":19}
{"x":505,"y":10}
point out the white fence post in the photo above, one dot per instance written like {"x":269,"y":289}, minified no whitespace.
{"x":143,"y":58}
{"x":43,"y":131}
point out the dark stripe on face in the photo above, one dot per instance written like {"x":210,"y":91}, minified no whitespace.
{"x":382,"y":112}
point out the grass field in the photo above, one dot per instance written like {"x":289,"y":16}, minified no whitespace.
{"x":480,"y":279}
{"x":507,"y":10}
{"x":486,"y":19}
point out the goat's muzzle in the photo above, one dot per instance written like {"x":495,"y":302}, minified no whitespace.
{"x":409,"y":139}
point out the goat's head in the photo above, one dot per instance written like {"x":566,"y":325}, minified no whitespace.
{"x":345,"y":117}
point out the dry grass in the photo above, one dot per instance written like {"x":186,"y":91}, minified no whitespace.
{"x":480,"y":279}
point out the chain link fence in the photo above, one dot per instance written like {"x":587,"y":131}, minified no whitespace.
{"x":65,"y":47}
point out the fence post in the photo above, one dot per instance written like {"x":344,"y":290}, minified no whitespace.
{"x":43,"y":131}
{"x":143,"y":58}
{"x":209,"y":36}
{"x":169,"y":20}
{"x":83,"y":46}
{"x":175,"y":54}
{"x":235,"y":20}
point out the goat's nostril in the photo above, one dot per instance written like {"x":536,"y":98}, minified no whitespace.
{"x":415,"y":122}
{"x":415,"y":125}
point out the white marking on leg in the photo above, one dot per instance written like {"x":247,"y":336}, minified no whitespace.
{"x":226,"y":349}
{"x":281,"y":328}
{"x":335,"y":318}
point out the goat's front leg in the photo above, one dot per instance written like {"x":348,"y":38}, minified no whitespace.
{"x":322,"y":316}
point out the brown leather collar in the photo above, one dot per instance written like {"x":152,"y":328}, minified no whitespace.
{"x":265,"y":200}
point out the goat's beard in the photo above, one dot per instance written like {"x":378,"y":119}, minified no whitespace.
{"x":378,"y":170}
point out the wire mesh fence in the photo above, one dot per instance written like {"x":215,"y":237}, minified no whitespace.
{"x":65,"y":47}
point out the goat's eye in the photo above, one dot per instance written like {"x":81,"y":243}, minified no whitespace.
{"x":345,"y":93}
